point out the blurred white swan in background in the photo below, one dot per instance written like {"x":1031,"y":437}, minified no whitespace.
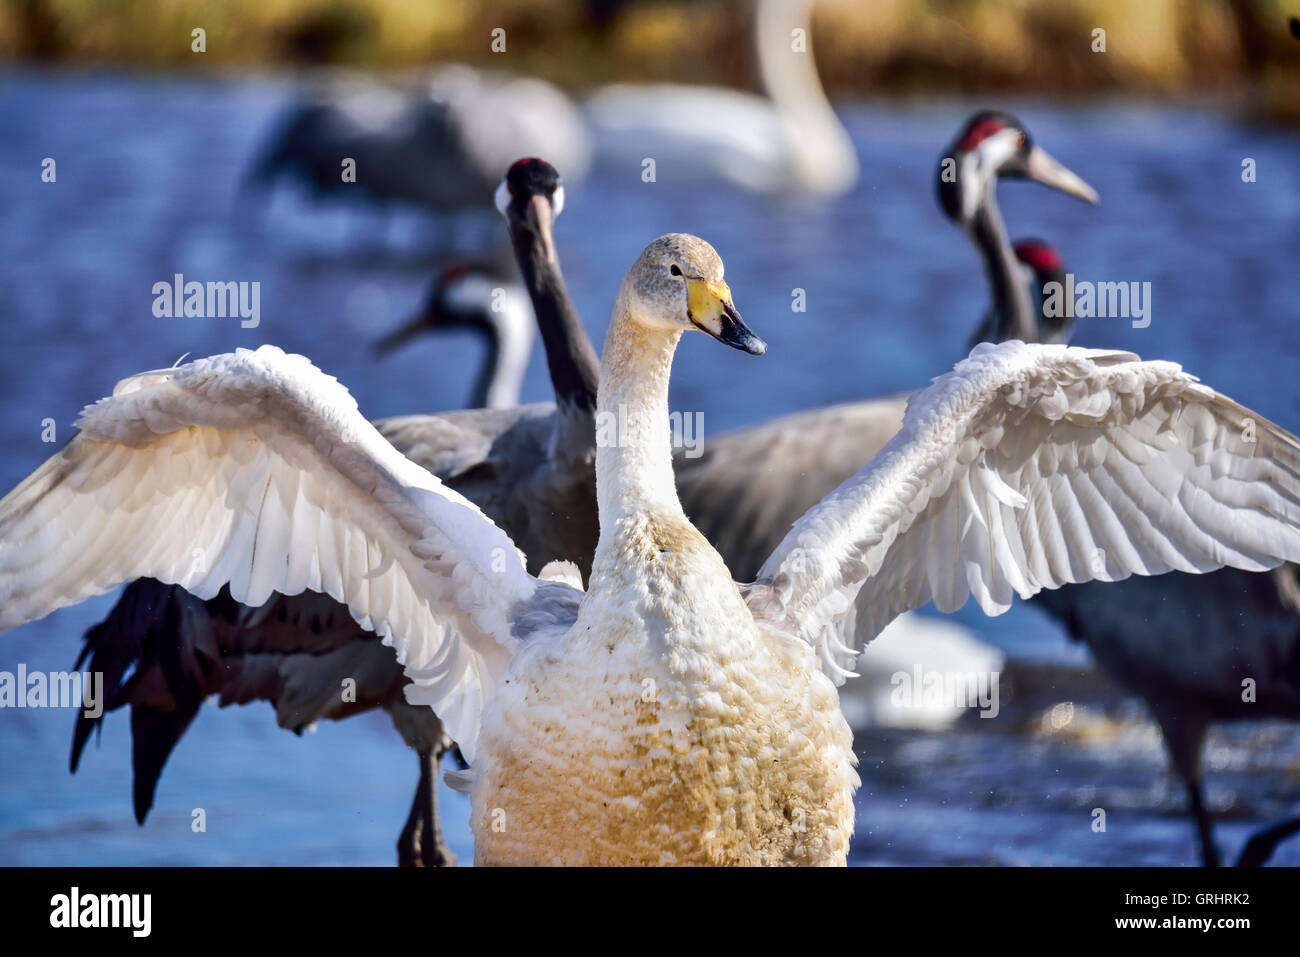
{"x":892,"y":689}
{"x":788,"y":140}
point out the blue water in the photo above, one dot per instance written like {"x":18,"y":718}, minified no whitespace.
{"x":146,"y":172}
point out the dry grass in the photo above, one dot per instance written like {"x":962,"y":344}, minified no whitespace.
{"x":863,"y":46}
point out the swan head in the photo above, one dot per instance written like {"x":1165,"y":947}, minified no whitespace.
{"x":530,"y":197}
{"x":994,"y":144}
{"x":677,"y":284}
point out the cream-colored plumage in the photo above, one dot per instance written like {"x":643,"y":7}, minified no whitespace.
{"x":667,"y":715}
{"x":703,"y":739}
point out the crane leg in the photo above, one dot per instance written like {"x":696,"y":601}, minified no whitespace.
{"x":1262,"y":843}
{"x":408,"y":842}
{"x":434,"y":848}
{"x":421,"y":842}
{"x":1184,"y":735}
{"x":1204,"y":823}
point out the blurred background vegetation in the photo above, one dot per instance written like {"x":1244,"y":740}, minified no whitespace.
{"x":1154,"y":47}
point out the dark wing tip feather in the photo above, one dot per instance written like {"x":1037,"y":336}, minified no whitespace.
{"x":142,"y":631}
{"x":153,"y":736}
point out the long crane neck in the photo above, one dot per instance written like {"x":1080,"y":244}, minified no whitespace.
{"x":507,"y":329}
{"x":1013,"y":313}
{"x":481,"y":397}
{"x":570,"y":357}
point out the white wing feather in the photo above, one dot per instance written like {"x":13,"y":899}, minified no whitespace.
{"x":1029,"y":467}
{"x":255,"y":468}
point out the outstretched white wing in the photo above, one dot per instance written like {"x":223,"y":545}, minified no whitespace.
{"x":255,"y":468}
{"x":1025,"y":468}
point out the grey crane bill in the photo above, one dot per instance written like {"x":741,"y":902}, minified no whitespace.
{"x":400,"y":336}
{"x":540,"y":215}
{"x":1046,"y":169}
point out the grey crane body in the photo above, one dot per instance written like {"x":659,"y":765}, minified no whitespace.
{"x":1196,"y":648}
{"x":441,"y":146}
{"x":314,"y":138}
{"x":1199,"y":649}
{"x":502,"y":461}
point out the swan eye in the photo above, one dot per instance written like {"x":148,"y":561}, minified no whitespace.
{"x":674,"y":270}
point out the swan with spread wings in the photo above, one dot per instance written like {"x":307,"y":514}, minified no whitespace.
{"x":666,"y":714}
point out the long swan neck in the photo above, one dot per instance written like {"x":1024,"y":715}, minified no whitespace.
{"x":820,"y":149}
{"x":788,"y":77}
{"x":634,"y":467}
{"x":1012,"y":312}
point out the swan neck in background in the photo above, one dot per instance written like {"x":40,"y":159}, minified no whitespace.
{"x":823,"y":156}
{"x":788,"y":77}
